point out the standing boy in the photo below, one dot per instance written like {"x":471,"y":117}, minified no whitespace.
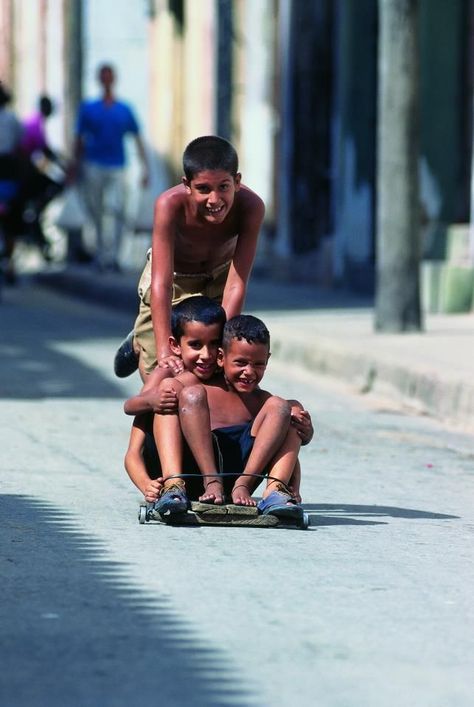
{"x":204,"y":242}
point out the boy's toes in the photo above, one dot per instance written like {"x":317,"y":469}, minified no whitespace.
{"x":216,"y":496}
{"x":211,"y":498}
{"x":242,"y":497}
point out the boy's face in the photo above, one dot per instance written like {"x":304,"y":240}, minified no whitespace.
{"x":198,"y":348}
{"x":244,"y":364}
{"x":213,"y":191}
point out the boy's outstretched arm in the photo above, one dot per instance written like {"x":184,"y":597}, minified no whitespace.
{"x":236,"y":285}
{"x":135,"y":465}
{"x":162,"y":270}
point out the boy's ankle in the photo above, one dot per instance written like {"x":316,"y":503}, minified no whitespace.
{"x":174,"y":481}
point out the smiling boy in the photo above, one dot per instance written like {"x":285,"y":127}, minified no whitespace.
{"x":256,"y":432}
{"x":155,"y":447}
{"x":204,"y":242}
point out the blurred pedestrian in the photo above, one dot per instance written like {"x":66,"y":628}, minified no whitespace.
{"x":43,"y":172}
{"x":10,"y":208}
{"x":100,"y":163}
{"x":34,"y":129}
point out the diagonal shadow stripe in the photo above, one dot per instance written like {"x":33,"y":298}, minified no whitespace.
{"x":337,"y":514}
{"x":76,"y":632}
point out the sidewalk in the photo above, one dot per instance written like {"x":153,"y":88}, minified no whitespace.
{"x":332,"y":333}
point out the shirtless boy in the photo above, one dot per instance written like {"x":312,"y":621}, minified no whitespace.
{"x":253,"y":428}
{"x":196,"y":325}
{"x":204,"y":242}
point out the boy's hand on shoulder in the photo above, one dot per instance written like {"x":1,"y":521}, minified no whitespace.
{"x":153,"y":490}
{"x":174,"y":363}
{"x":301,"y":420}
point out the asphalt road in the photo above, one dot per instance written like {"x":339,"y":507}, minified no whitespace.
{"x":370,"y":607}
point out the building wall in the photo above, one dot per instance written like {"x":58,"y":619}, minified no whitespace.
{"x":353,"y":147}
{"x":303,"y":120}
{"x":444,"y":101}
{"x":7,"y":66}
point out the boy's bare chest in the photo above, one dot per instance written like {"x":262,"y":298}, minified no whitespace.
{"x":203,"y":247}
{"x":227,"y":409}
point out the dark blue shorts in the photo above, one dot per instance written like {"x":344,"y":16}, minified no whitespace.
{"x":232,"y":448}
{"x":234,"y":445}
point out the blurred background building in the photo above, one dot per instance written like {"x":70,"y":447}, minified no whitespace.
{"x":293,"y":84}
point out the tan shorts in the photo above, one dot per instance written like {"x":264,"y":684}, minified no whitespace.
{"x":184,"y":285}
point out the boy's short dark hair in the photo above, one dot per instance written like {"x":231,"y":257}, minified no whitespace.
{"x":209,"y":152}
{"x":195,"y":309}
{"x":245,"y":326}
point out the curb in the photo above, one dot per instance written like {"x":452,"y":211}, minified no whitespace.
{"x":421,"y":391}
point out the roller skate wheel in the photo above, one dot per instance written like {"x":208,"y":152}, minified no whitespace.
{"x":305,"y":522}
{"x":142,"y":514}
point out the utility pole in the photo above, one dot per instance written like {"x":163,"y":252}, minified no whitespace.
{"x":73,"y":64}
{"x":72,"y":18}
{"x":398,"y":248}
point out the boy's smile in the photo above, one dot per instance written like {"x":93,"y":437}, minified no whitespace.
{"x":198,"y":348}
{"x":213,"y":191}
{"x":244,"y":364}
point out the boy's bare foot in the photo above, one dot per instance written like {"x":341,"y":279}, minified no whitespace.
{"x":241,"y":496}
{"x":216,"y":496}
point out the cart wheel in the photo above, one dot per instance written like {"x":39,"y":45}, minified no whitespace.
{"x":142,"y":514}
{"x":305,"y":522}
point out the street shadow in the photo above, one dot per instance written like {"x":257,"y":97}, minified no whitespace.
{"x":119,"y":292}
{"x":75,"y":632}
{"x":343,"y":514}
{"x":34,"y":327}
{"x":33,"y":365}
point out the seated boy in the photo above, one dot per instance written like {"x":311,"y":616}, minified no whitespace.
{"x":204,"y":242}
{"x":197,"y":324}
{"x":253,"y":429}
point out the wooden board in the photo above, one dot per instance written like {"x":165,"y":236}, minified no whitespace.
{"x":229,"y":514}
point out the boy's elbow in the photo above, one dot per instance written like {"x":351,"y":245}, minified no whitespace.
{"x":128,"y":461}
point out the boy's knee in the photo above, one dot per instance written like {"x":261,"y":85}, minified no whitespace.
{"x":192,"y":397}
{"x":278,"y":406}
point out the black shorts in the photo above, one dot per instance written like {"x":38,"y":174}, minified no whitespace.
{"x":194,"y":484}
{"x":232,"y":447}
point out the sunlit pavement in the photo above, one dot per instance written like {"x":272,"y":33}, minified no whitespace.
{"x":369,"y":606}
